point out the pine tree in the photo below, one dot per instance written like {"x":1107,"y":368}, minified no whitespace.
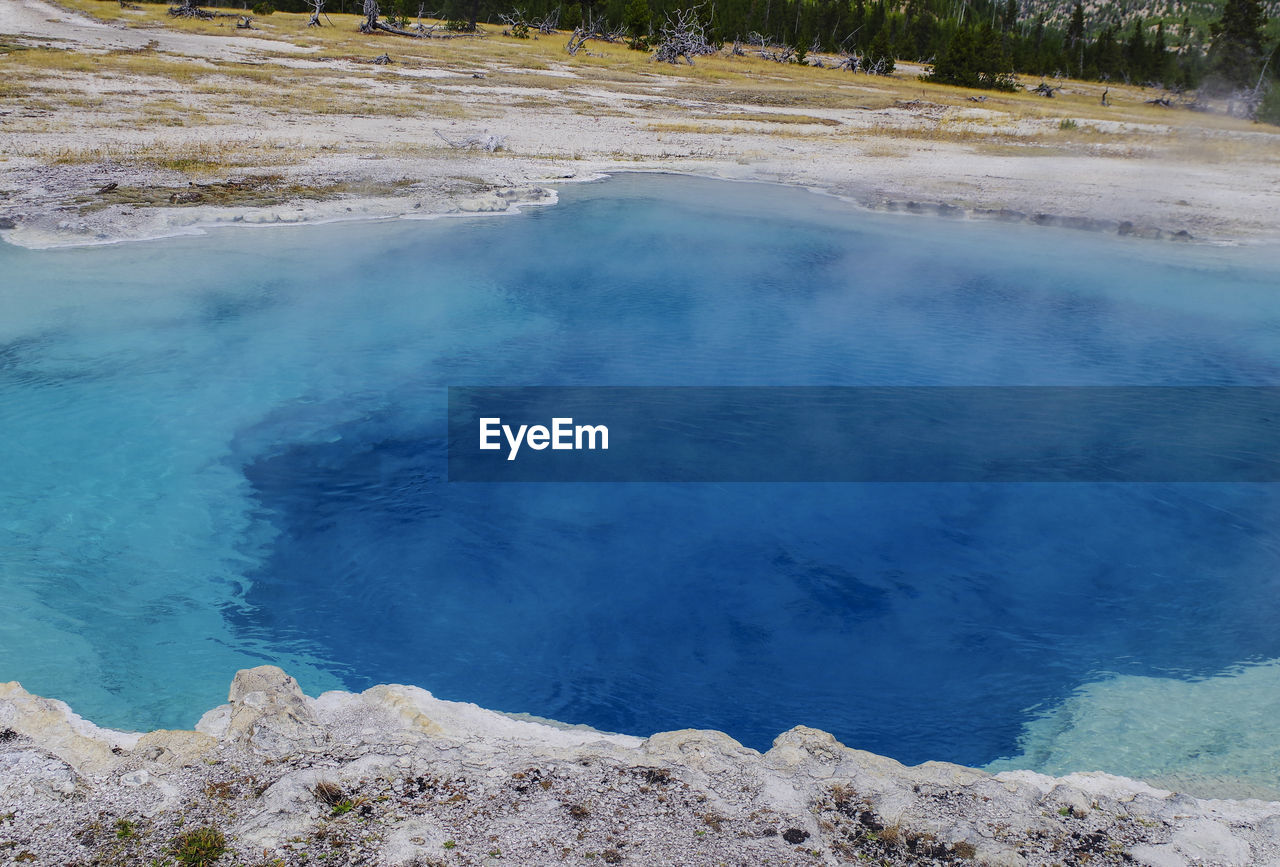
{"x":1160,"y":56}
{"x":875,"y":22}
{"x":859,"y":24}
{"x":637,"y":19}
{"x":1037,"y":39}
{"x":878,"y":57}
{"x":1136,"y":57}
{"x":923,"y":32}
{"x":974,"y":58}
{"x":1075,"y":39}
{"x":1235,"y":58}
{"x":1107,"y":58}
{"x":1010,"y":16}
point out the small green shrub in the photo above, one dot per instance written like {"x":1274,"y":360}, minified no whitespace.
{"x":1269,"y":110}
{"x":878,"y":58}
{"x":1068,"y":123}
{"x":263,"y":8}
{"x":200,"y":847}
{"x":125,"y":829}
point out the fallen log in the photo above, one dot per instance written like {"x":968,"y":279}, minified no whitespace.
{"x":484,"y":141}
{"x":189,"y":9}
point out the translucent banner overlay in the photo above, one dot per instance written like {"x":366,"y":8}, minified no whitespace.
{"x":864,"y":434}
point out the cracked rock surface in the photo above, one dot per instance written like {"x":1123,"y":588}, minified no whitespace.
{"x":395,"y":776}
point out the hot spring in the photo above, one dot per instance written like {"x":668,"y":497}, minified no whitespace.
{"x":226,"y":450}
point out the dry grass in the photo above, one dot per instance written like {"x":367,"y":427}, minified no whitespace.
{"x":250,"y":191}
{"x":118,"y":63}
{"x":192,"y":158}
{"x":771,"y":117}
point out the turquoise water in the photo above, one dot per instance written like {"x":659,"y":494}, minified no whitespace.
{"x":229,"y":449}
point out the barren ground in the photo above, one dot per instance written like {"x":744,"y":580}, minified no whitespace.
{"x":308,"y":127}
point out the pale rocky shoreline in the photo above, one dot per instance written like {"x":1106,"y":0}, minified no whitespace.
{"x":60,"y":226}
{"x":394,"y":776}
{"x":39,"y":213}
{"x":883,"y":144}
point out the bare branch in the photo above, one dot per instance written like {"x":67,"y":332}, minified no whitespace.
{"x":373,"y":24}
{"x":549,"y":24}
{"x":682,"y":36}
{"x":517,"y":25}
{"x":485,"y":142}
{"x":190,"y":9}
{"x":317,"y":9}
{"x":594,"y":28}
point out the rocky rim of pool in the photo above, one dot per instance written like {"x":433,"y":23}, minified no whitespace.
{"x":394,"y":776}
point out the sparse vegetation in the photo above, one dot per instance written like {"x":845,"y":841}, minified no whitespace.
{"x":329,"y":793}
{"x":199,"y":848}
{"x":211,"y":121}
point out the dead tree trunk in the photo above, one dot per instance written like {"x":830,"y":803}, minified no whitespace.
{"x":189,"y":9}
{"x":371,"y":13}
{"x":577,"y":40}
{"x":548,"y":25}
{"x":682,"y":36}
{"x":371,"y":24}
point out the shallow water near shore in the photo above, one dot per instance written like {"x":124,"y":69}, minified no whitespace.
{"x":228,"y":450}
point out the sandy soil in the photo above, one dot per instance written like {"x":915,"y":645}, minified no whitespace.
{"x":155,"y":106}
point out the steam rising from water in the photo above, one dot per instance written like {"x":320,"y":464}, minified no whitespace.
{"x":228,"y":450}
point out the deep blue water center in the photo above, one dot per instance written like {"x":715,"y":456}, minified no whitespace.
{"x":229,"y":449}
